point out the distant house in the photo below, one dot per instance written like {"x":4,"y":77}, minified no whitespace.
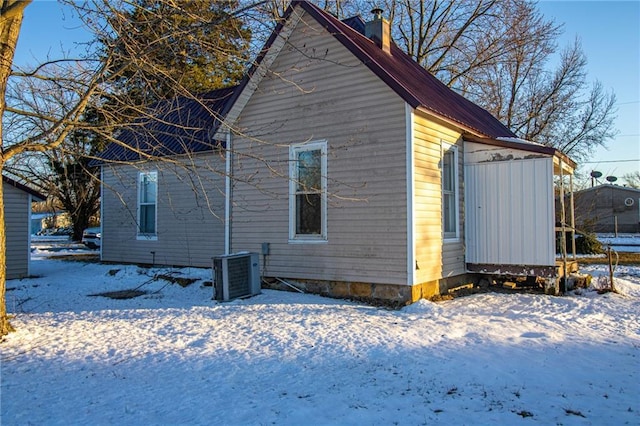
{"x":17,"y":210}
{"x":608,"y":208}
{"x":351,"y":169}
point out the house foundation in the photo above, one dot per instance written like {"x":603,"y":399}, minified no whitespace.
{"x":386,"y":294}
{"x":395,"y":295}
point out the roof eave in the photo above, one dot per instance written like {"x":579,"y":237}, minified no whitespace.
{"x":24,"y":188}
{"x":539,"y":149}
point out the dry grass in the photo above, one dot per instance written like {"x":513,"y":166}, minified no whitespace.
{"x":623,"y":259}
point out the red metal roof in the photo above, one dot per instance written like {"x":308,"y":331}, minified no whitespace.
{"x":408,"y":79}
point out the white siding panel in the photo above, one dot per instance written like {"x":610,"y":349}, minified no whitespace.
{"x":510,"y":212}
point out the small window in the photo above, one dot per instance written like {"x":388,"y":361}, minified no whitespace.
{"x":147,"y":200}
{"x":308,"y":192}
{"x":450,"y":190}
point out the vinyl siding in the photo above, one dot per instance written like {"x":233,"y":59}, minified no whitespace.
{"x":17,"y":207}
{"x":435,"y":258}
{"x":190,"y":213}
{"x":317,"y":90}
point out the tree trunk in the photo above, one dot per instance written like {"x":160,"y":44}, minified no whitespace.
{"x":11,"y":13}
{"x":5,"y":325}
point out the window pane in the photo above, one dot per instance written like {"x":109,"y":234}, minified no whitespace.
{"x":309,"y":170}
{"x":309,"y":214}
{"x":148,"y":189}
{"x":449,"y":211}
{"x":447,"y":171}
{"x":148,"y":219}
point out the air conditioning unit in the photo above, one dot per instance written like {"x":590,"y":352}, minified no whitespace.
{"x":236,"y":275}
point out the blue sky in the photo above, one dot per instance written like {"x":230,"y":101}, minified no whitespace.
{"x":610,"y":36}
{"x":609,"y":32}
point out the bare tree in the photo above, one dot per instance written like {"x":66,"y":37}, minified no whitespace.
{"x":498,"y":53}
{"x":555,"y":107}
{"x":449,"y":38}
{"x":81,"y":88}
{"x":188,"y":56}
{"x":59,"y":92}
{"x":632,"y":179}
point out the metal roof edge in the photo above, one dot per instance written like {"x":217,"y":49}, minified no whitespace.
{"x":608,"y":185}
{"x":531,"y":147}
{"x":24,"y":188}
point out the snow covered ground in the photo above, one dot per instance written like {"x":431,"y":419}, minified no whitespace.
{"x":174,"y":356}
{"x":629,"y":243}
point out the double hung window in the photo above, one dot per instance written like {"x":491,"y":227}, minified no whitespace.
{"x":450,"y":189}
{"x":308,"y":192}
{"x":147,"y":204}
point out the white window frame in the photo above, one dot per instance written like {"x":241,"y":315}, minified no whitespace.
{"x":153,"y":175}
{"x":294,"y":150}
{"x":451,"y":236}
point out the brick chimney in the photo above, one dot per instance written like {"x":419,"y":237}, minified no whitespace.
{"x":379,"y":30}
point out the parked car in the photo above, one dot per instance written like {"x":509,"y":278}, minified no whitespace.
{"x":55,"y":232}
{"x":91,"y":238}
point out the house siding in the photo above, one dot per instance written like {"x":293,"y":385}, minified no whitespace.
{"x":317,"y":90}
{"x":190,"y":213}
{"x":435,"y":258}
{"x":17,"y":208}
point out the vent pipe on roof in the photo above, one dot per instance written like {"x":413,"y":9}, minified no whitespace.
{"x":379,"y":30}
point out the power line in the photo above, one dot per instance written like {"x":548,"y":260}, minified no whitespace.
{"x":610,"y":161}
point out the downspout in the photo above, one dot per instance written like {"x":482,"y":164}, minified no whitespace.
{"x":227,"y":194}
{"x":29,"y":210}
{"x":101,"y":209}
{"x":412,"y":264}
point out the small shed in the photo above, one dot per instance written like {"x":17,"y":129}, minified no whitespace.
{"x":511,"y":224}
{"x":608,"y":208}
{"x":17,"y":215}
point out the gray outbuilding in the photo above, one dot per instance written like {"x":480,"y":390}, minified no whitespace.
{"x":17,"y":211}
{"x":608,"y":208}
